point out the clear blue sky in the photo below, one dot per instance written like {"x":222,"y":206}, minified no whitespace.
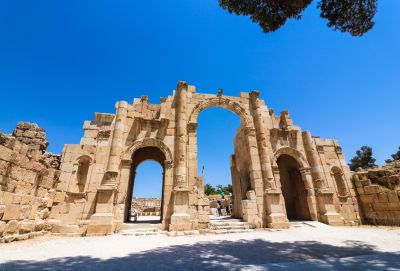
{"x":61,"y":61}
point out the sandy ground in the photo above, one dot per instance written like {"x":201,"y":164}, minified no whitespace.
{"x":303,"y":248}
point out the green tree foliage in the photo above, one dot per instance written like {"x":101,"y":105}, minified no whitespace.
{"x":352,"y":16}
{"x":227,"y":189}
{"x":395,"y":157}
{"x":209,"y":190}
{"x":363,"y":159}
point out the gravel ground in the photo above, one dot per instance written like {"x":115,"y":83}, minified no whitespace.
{"x":303,"y":248}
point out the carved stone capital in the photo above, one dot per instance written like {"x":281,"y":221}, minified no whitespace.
{"x":305,"y":171}
{"x":250,"y":131}
{"x":168,"y":164}
{"x":110,"y":177}
{"x":126,"y":162}
{"x":192,"y":127}
{"x":254,"y":94}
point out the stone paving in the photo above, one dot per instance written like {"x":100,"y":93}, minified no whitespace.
{"x":305,"y":246}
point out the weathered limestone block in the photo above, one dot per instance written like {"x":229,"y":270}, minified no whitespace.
{"x":33,"y":211}
{"x":371,"y":189}
{"x":12,"y":212}
{"x":41,"y":224}
{"x":2,"y":227}
{"x":26,"y":226}
{"x":382,"y":205}
{"x":6,"y":198}
{"x":383,"y":197}
{"x":368,"y":198}
{"x":12,"y":227}
{"x":6,"y":155}
{"x":66,"y":229}
{"x":251,"y":195}
{"x":393,"y":196}
{"x":2,"y":209}
{"x":25,"y":211}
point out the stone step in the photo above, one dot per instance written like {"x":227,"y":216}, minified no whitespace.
{"x":228,"y":227}
{"x":142,"y":233}
{"x":228,"y":231}
{"x":140,"y":230}
{"x":226,"y":220}
{"x":230,"y":223}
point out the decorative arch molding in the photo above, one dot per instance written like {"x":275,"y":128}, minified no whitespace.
{"x":223,"y":102}
{"x":336,"y":170}
{"x":298,"y":156}
{"x":148,"y":142}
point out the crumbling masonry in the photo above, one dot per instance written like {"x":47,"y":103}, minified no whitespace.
{"x":279,"y":173}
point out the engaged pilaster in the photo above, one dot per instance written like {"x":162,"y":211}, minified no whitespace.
{"x":180,"y":218}
{"x":274,"y":210}
{"x":325,"y":206}
{"x":116,"y":144}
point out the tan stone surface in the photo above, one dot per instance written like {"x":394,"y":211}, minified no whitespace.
{"x":378,"y":190}
{"x":90,"y":185}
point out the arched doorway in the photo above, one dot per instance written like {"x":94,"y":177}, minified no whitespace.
{"x":215,"y":157}
{"x":131,"y":210}
{"x":293,"y":188}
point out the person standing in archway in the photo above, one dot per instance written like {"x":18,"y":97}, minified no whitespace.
{"x":228,"y":209}
{"x":219,"y":208}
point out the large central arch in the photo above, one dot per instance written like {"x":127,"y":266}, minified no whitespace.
{"x":224,"y":102}
{"x":241,"y":109}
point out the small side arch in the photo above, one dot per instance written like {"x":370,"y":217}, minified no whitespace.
{"x":298,"y":156}
{"x":338,"y":176}
{"x":156,"y":150}
{"x":83,"y":164}
{"x":148,"y":142}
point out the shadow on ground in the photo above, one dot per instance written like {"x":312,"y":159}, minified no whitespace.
{"x":227,"y":255}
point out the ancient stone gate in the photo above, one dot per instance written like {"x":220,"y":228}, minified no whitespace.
{"x":278,"y":171}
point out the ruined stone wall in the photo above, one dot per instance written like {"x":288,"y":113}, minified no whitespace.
{"x":147,"y":206}
{"x":28,"y":182}
{"x":378,"y":191}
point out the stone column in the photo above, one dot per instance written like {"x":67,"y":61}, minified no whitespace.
{"x":262,"y":140}
{"x":102,"y":222}
{"x":180,"y":218}
{"x":310,"y":195}
{"x":325,"y":203}
{"x":252,"y":212}
{"x":313,"y":159}
{"x":117,"y":144}
{"x":274,"y":213}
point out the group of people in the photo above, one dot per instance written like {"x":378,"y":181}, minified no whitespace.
{"x":228,"y":208}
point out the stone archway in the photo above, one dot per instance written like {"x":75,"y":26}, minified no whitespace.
{"x":158,"y":151}
{"x":139,"y":156}
{"x":223,"y":102}
{"x":171,"y":128}
{"x":293,"y":189}
{"x":242,"y":180}
{"x":294,"y":175}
